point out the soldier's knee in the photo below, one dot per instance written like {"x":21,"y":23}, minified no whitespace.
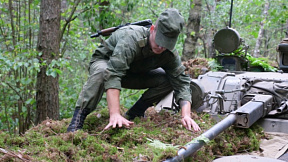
{"x":98,"y":67}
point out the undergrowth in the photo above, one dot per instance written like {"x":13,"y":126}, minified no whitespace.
{"x":154,"y":138}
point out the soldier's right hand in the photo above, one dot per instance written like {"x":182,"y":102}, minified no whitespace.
{"x":117,"y":119}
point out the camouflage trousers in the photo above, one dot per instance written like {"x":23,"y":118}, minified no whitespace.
{"x":155,"y":81}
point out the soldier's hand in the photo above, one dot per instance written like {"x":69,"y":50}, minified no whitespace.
{"x":188,"y":123}
{"x":117,"y":119}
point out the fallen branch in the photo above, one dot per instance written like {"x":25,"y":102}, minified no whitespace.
{"x":20,"y":155}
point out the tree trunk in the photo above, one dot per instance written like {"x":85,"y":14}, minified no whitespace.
{"x":47,"y":87}
{"x":192,"y":29}
{"x":209,"y":34}
{"x":12,"y":22}
{"x":261,"y":31}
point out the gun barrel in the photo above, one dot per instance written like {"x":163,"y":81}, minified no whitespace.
{"x":282,"y":108}
{"x":210,"y":134}
{"x":147,"y":23}
{"x":95,"y":35}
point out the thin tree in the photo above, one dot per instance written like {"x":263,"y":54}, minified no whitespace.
{"x":208,"y":37}
{"x":192,"y":29}
{"x":261,"y":30}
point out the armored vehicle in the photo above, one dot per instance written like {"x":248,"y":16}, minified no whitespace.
{"x":240,"y":96}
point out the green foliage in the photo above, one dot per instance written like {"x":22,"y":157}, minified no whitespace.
{"x":262,"y":62}
{"x":129,"y":97}
{"x":18,"y":65}
{"x":17,"y":80}
{"x":252,"y":61}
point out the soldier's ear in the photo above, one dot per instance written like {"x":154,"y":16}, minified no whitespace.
{"x":152,"y":27}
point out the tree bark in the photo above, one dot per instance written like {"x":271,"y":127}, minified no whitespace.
{"x":12,"y":22}
{"x":209,"y":34}
{"x":192,"y":29}
{"x":261,"y":31}
{"x":47,"y":87}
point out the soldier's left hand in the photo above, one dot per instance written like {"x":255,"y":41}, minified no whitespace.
{"x":188,"y":123}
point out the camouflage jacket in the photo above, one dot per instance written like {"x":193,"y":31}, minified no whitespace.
{"x":128,"y":49}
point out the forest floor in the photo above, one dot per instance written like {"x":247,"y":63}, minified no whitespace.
{"x":156,"y":137}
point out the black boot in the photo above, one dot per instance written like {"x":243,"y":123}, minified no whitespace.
{"x":137,"y":110}
{"x":77,"y":120}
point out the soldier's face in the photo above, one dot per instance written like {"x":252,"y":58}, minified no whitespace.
{"x":155,"y":48}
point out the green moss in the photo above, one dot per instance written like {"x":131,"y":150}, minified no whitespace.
{"x":89,"y":141}
{"x":42,"y":143}
{"x":164,"y":154}
{"x":137,"y":120}
{"x":98,"y":148}
{"x":35,"y":150}
{"x":96,"y":120}
{"x":98,"y":158}
{"x":3,"y":137}
{"x":82,"y":153}
{"x":55,"y":141}
{"x":16,"y":141}
{"x":33,"y":134}
{"x":78,"y":137}
{"x":65,"y":148}
{"x":36,"y":141}
{"x":254,"y":142}
{"x":113,"y":150}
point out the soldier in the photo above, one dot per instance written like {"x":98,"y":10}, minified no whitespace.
{"x":136,"y":57}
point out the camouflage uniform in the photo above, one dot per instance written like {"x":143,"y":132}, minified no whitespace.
{"x":125,"y":60}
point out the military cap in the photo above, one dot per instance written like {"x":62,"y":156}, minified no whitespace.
{"x":169,"y":25}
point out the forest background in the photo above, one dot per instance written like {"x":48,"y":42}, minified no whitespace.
{"x":42,"y":75}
